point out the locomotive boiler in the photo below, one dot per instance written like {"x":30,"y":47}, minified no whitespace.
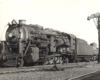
{"x":32,"y":44}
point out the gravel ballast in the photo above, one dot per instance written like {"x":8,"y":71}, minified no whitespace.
{"x":51,"y":75}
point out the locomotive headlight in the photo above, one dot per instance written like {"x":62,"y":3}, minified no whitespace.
{"x":10,"y":35}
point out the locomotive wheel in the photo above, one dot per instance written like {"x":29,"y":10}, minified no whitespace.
{"x":47,"y":62}
{"x":51,"y":61}
{"x":60,"y":60}
{"x":67,"y":60}
{"x":20,"y":62}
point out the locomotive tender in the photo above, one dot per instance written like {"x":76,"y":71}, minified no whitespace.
{"x":34,"y":44}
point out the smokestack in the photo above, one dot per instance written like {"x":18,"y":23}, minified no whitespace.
{"x":22,"y":22}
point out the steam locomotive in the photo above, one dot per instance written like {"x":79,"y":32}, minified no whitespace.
{"x":32,"y":44}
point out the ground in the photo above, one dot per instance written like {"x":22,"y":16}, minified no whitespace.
{"x":51,"y":75}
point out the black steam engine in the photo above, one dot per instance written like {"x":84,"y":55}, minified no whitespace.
{"x":31,"y":44}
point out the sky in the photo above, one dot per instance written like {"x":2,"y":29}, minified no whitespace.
{"x":68,"y":16}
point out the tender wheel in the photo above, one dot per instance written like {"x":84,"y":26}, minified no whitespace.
{"x":88,"y":60}
{"x":77,"y":60}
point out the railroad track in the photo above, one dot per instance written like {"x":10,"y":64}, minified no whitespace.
{"x":88,"y":76}
{"x":45,"y":67}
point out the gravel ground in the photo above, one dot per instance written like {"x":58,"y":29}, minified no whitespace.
{"x":44,"y":66}
{"x":51,"y":75}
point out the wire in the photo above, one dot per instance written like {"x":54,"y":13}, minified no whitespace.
{"x":2,"y":32}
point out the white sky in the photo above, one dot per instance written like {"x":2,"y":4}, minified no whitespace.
{"x":68,"y":16}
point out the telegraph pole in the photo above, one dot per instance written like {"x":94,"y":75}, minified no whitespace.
{"x":99,"y":45}
{"x":96,"y":15}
